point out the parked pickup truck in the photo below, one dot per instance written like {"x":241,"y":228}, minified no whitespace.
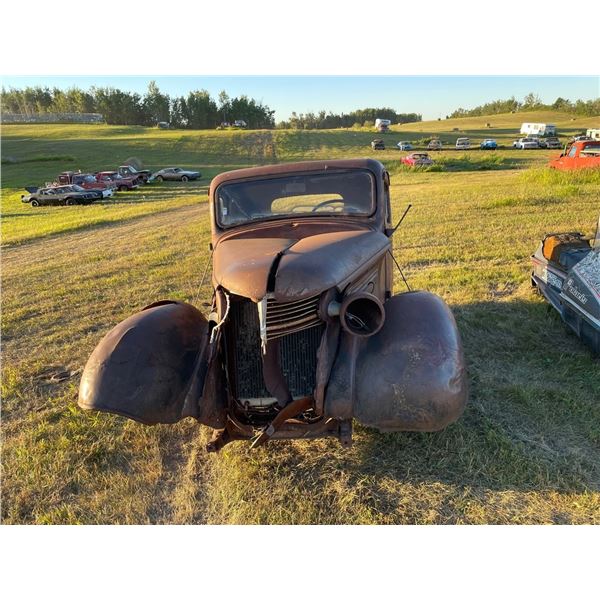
{"x":123,"y":184}
{"x":141,"y":175}
{"x":584,"y":154}
{"x":87,"y":181}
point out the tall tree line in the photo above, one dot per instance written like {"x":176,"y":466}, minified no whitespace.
{"x":532,"y":101}
{"x":196,"y":110}
{"x":364,"y":116}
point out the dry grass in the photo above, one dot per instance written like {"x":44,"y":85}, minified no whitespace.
{"x":527,"y":449}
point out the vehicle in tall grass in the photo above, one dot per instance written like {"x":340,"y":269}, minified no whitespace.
{"x":488,"y":144}
{"x":434,"y":144}
{"x":139,"y":175}
{"x":551,"y":143}
{"x":583,"y":154}
{"x":122,"y":183}
{"x":417,"y":159}
{"x":404,"y":146}
{"x":174,"y":174}
{"x":60,"y":195}
{"x":526,"y":143}
{"x":304,"y":332}
{"x":566,"y":271}
{"x":463,"y":143}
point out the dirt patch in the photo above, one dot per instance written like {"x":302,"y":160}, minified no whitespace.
{"x":97,"y":237}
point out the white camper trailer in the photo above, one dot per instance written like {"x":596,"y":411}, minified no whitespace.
{"x":538,"y":129}
{"x":593,"y":133}
{"x":382,"y":125}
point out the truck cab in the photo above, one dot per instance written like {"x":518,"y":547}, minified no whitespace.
{"x":123,"y":184}
{"x":140,"y":176}
{"x":582,"y":154}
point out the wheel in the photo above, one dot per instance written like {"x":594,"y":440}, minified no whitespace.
{"x":35,"y":203}
{"x":69,"y":202}
{"x":122,"y":188}
{"x":185,"y":178}
{"x":160,"y":178}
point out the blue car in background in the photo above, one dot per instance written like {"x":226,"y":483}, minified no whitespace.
{"x":488,"y":145}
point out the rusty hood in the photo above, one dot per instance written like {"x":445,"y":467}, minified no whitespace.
{"x":294,"y":269}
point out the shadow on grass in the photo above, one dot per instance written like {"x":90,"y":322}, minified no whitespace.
{"x":532,"y":422}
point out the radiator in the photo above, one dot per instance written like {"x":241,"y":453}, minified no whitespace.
{"x":298,"y":351}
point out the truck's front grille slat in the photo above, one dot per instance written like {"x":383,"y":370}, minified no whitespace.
{"x":285,"y":317}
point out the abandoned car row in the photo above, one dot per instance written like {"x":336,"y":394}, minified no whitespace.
{"x":75,"y":187}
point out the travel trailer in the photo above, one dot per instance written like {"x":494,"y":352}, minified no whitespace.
{"x":593,"y":134}
{"x":538,"y":129}
{"x":382,"y":125}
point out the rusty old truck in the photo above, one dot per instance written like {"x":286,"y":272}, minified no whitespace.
{"x":304,"y":334}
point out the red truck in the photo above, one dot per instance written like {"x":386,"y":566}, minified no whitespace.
{"x":582,"y":154}
{"x":123,"y":184}
{"x":87,"y":181}
{"x":140,"y":175}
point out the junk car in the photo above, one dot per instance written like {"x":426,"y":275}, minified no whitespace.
{"x":526,"y":143}
{"x":60,"y":195}
{"x":551,"y":143}
{"x":122,"y":183}
{"x":417,"y":159}
{"x":140,"y":176}
{"x":566,"y":271}
{"x":583,"y":154}
{"x":174,"y":174}
{"x":304,"y":332}
{"x":378,"y":145}
{"x":488,"y":144}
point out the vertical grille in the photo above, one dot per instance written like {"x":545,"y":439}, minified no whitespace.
{"x":298,"y":354}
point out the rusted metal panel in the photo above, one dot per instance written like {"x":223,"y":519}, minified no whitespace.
{"x":321,"y":262}
{"x":143,"y":367}
{"x":243,"y":266}
{"x":411,"y":376}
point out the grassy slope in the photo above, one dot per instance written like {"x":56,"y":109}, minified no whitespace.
{"x":526,"y":450}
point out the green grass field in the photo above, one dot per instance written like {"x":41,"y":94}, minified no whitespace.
{"x":527,"y":449}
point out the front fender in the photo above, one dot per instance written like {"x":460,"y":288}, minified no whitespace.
{"x":410,"y":376}
{"x":144,"y":367}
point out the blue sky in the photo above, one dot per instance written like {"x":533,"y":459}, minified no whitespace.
{"x":433,"y":97}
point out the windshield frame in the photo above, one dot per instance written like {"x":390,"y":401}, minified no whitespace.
{"x":296,"y":216}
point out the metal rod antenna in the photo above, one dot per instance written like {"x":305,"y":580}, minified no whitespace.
{"x":400,"y":221}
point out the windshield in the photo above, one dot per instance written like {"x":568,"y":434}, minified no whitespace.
{"x":339,"y":193}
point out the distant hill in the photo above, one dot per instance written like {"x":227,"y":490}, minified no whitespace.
{"x":502,"y":125}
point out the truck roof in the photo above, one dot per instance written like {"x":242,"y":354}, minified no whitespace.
{"x":298,"y":167}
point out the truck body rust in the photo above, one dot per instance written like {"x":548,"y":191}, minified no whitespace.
{"x":304,"y":334}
